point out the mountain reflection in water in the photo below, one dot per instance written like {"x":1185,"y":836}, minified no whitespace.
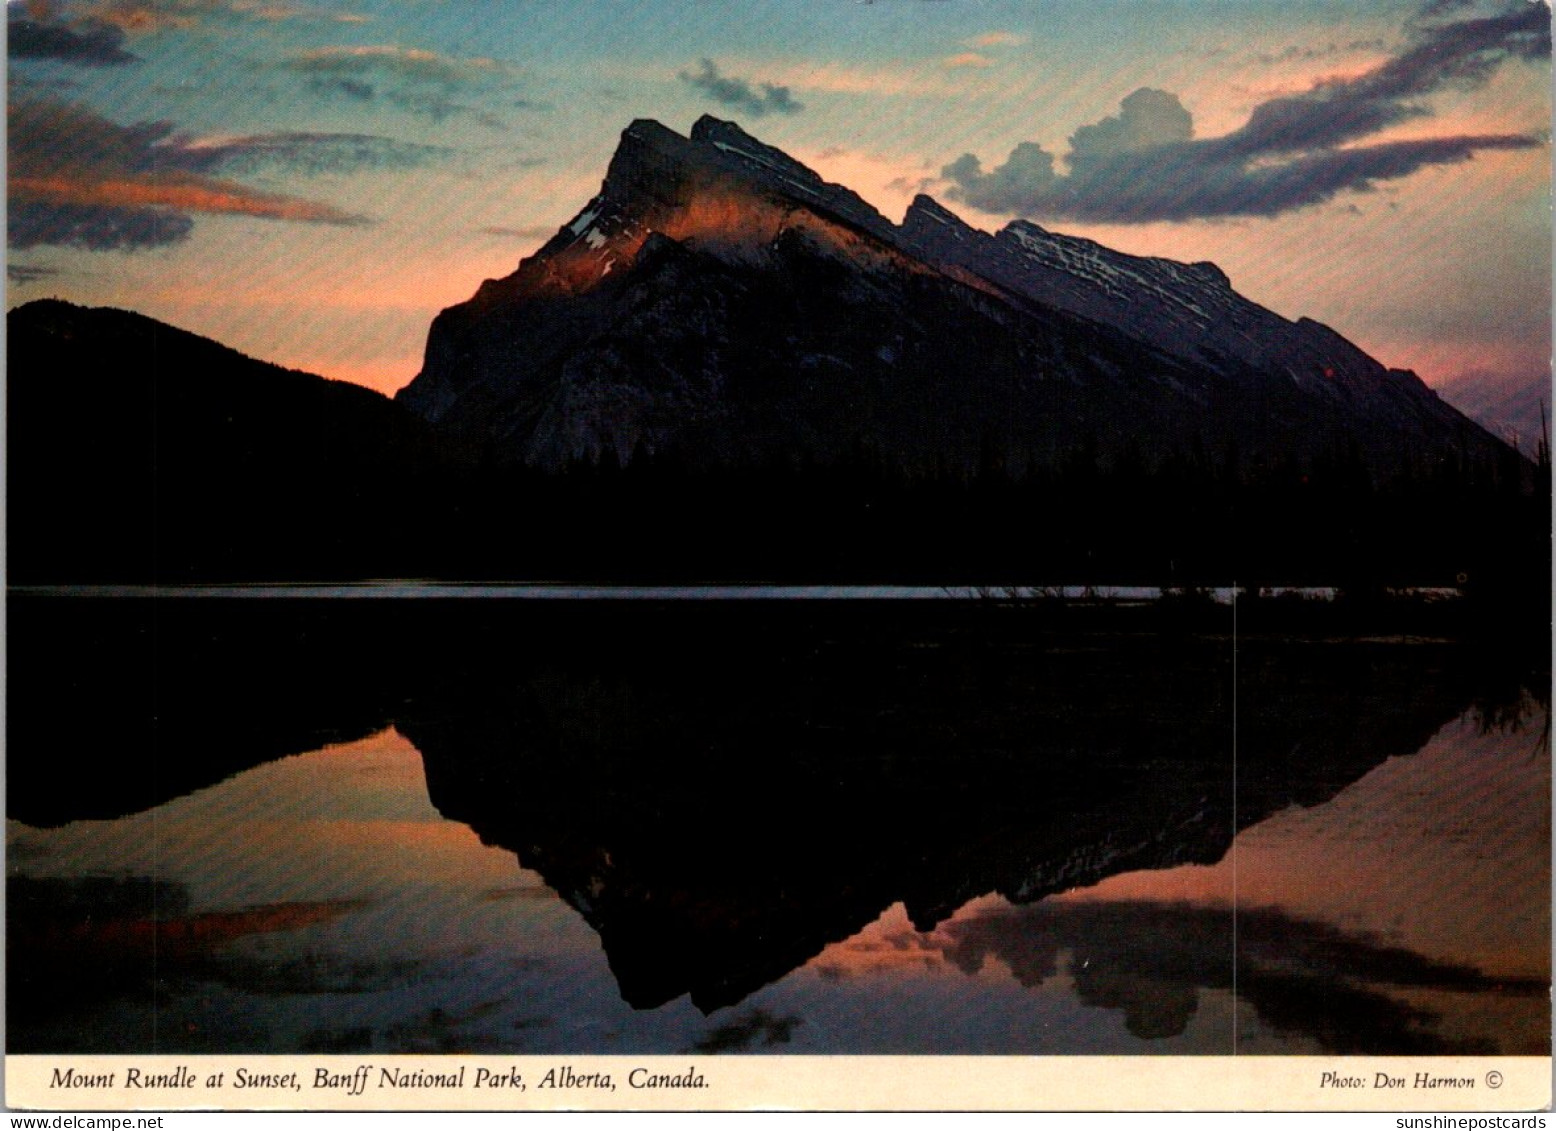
{"x":782,"y":828}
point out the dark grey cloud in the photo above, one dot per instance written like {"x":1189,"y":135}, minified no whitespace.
{"x":409,"y":63}
{"x":412,"y":80}
{"x":76,"y":179}
{"x":1144,"y":164}
{"x":355,"y":89}
{"x":1462,"y":54}
{"x":1145,"y":119}
{"x":911,"y":186}
{"x":306,"y":153}
{"x":84,"y":43}
{"x":1307,"y":53}
{"x":40,"y":86}
{"x":49,"y":136}
{"x":439,"y":107}
{"x":740,"y":94}
{"x":93,"y":227}
{"x":24,"y":273}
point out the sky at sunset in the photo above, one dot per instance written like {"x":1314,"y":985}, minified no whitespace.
{"x":311,"y":181}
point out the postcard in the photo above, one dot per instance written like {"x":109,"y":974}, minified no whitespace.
{"x":866,"y":554}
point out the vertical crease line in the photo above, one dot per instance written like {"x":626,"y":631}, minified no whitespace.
{"x":1234,"y":820}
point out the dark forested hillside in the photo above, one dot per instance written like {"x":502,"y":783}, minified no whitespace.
{"x":137,"y":451}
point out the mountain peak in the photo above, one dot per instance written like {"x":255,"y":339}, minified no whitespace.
{"x":709,"y":128}
{"x":757,"y":157}
{"x":927,"y":207}
{"x":648,"y":128}
{"x":1030,"y":228}
{"x":653,"y":159}
{"x":1210,"y":272}
{"x":931,"y":230}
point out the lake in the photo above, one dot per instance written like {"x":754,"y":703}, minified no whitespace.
{"x":785,"y":826}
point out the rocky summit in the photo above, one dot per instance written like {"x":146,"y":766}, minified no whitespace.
{"x":719,"y":304}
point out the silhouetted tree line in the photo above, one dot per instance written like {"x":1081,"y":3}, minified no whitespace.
{"x":140,"y":453}
{"x":1190,"y":519}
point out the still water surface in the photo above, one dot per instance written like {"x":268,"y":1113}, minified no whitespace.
{"x":806,"y":840}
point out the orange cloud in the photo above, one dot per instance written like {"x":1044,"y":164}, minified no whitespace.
{"x":122,"y":187}
{"x":996,"y":39}
{"x":897,"y":80}
{"x":183,"y":193}
{"x":104,"y":936}
{"x":969,"y":59}
{"x":416,"y":63}
{"x":143,"y":17}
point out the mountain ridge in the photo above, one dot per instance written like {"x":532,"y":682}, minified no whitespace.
{"x":138,"y":451}
{"x":1205,"y":365}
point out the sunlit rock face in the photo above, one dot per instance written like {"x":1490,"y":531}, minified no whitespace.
{"x":718,"y":302}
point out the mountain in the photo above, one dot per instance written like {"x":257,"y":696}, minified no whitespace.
{"x":719,"y":301}
{"x":721,"y":792}
{"x":137,"y":451}
{"x":727,"y":369}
